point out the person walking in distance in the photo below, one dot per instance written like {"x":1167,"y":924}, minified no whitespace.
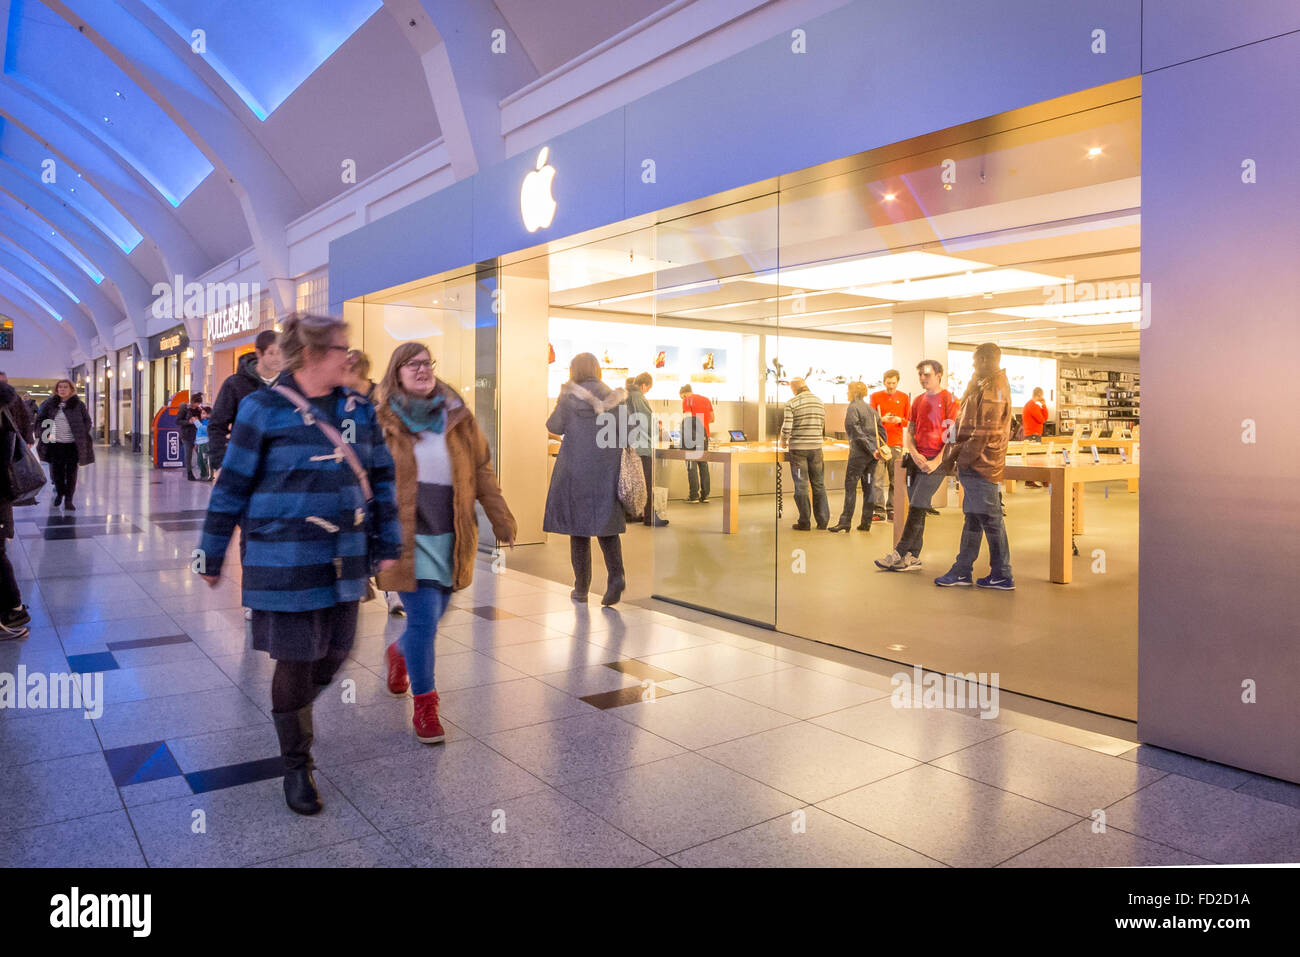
{"x":258,"y":369}
{"x":582,"y":500}
{"x":642,"y":434}
{"x":893,"y":407}
{"x":444,"y":466}
{"x":320,"y":511}
{"x":188,"y":420}
{"x":697,"y":419}
{"x":980,"y":454}
{"x":803,"y":431}
{"x":14,"y":617}
{"x":357,"y":378}
{"x":933,"y":412}
{"x":862,"y":426}
{"x":64,"y":439}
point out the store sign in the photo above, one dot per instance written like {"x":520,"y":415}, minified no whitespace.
{"x":230,"y":323}
{"x":536,"y":203}
{"x":6,"y":335}
{"x":168,"y":343}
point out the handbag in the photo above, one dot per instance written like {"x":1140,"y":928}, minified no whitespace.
{"x":631,"y":483}
{"x":886,"y":453}
{"x":25,"y":474}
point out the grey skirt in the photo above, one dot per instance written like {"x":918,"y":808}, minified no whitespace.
{"x":305,"y":635}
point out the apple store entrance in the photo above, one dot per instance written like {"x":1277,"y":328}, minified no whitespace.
{"x":1022,"y":230}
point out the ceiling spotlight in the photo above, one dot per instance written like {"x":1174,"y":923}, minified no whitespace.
{"x":117,"y":93}
{"x":107,"y":120}
{"x":1094,"y":152}
{"x":947,"y":186}
{"x":890,"y":197}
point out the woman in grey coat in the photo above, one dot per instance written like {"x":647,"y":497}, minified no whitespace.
{"x":583,"y":498}
{"x":862,"y":426}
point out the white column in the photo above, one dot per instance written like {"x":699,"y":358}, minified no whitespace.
{"x":917,"y":336}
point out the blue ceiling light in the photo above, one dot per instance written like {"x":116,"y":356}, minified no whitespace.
{"x":30,"y":293}
{"x":264,"y":51}
{"x":33,"y":263}
{"x":98,"y":94}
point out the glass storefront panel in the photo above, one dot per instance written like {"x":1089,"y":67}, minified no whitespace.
{"x":125,"y":382}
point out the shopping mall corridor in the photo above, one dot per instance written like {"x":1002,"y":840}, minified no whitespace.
{"x":754,"y":748}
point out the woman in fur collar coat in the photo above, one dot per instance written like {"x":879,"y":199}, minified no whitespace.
{"x":583,"y":498}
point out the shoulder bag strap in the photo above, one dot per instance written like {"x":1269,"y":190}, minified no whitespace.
{"x":332,"y":434}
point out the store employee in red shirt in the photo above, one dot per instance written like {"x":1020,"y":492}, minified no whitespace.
{"x":697,"y":416}
{"x":893,"y":407}
{"x":932,"y":418}
{"x":1034,"y":415}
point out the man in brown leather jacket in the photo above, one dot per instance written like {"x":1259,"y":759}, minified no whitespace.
{"x":980,"y":454}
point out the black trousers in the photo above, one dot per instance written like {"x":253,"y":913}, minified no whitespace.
{"x":611,"y":546}
{"x":649,"y":513}
{"x":63,"y":467}
{"x":295,"y":684}
{"x":10,"y":596}
{"x":187,"y":450}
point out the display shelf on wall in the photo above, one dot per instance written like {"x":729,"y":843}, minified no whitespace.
{"x":1097,"y":398}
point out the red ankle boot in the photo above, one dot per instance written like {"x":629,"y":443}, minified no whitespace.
{"x":428,"y":729}
{"x":398,"y":681}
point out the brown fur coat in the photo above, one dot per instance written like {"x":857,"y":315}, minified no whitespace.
{"x":473,"y":479}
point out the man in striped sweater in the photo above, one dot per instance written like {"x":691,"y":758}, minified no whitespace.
{"x":802,"y":431}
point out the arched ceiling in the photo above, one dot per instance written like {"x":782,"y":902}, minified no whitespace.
{"x":145,"y":139}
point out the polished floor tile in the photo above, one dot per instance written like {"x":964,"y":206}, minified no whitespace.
{"x":1085,"y":845}
{"x":920,"y":733}
{"x":583,"y":746}
{"x":799,"y":692}
{"x":697,"y":719}
{"x":950,"y":818}
{"x":61,"y":789}
{"x":97,"y":840}
{"x":508,"y":704}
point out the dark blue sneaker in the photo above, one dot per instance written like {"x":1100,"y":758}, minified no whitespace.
{"x":952,"y":579}
{"x":1001,"y":584}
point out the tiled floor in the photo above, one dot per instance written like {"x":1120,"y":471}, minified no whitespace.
{"x":576,"y":736}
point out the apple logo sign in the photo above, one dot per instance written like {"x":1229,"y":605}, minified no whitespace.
{"x":535,"y":199}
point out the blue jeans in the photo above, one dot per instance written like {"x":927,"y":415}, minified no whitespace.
{"x":424,"y":609}
{"x":983,"y":520}
{"x":808,"y":466}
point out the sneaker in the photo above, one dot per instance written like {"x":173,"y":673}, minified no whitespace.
{"x":1001,"y":584}
{"x":18,"y":617}
{"x":908,"y":563}
{"x":692,"y":499}
{"x":932,"y":511}
{"x":704,"y":501}
{"x":394,"y":600}
{"x":953,"y":579}
{"x":398,"y":681}
{"x":879,"y":517}
{"x":248,"y":614}
{"x":8,"y":632}
{"x":68,"y":506}
{"x":889,"y":561}
{"x":800,"y":527}
{"x":428,"y":729}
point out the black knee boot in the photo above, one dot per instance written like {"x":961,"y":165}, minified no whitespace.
{"x":294,"y":729}
{"x":580,"y":557}
{"x":612,"y":548}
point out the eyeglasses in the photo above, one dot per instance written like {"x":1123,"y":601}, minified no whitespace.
{"x":419,"y":365}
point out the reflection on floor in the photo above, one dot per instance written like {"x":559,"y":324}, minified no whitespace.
{"x":1075,"y":644}
{"x":753,"y":749}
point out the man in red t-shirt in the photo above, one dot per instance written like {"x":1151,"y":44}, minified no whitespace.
{"x":893,"y":407}
{"x":1032,"y":418}
{"x":932,"y":420}
{"x":697,"y":416}
{"x":1034,"y":414}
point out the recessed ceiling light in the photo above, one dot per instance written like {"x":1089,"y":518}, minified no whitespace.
{"x":1094,"y":152}
{"x":890,"y":197}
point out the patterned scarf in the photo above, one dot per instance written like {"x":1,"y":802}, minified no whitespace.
{"x":418,"y":414}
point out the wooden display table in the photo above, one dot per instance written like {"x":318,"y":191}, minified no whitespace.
{"x":1066,"y":510}
{"x":732,"y":457}
{"x":1080,"y":451}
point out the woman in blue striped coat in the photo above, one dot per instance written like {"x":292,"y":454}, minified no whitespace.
{"x":312,"y":535}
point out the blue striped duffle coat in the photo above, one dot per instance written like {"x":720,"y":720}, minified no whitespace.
{"x":300,"y":506}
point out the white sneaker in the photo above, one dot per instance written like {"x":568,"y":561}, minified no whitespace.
{"x":908,"y":563}
{"x":889,"y":561}
{"x":248,"y":614}
{"x":394,"y":603}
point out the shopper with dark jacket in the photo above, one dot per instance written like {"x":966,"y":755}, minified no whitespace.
{"x":313,"y":537}
{"x":863,"y":427}
{"x":64,"y":440}
{"x":583,"y":498}
{"x":188,"y":419}
{"x":13,"y":613}
{"x":444,"y":466}
{"x":259,"y":368}
{"x":21,"y":408}
{"x":641,"y":435}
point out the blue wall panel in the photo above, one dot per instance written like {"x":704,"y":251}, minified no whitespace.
{"x":1177,"y":30}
